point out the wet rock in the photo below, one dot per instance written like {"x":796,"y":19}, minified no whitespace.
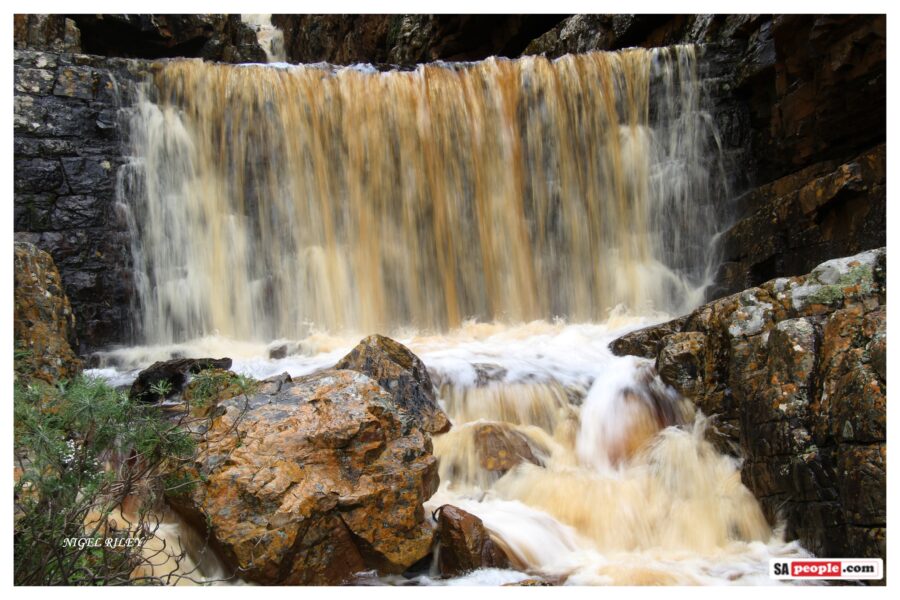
{"x":530,"y":582}
{"x":681,"y":361}
{"x":313,"y":483}
{"x":216,"y":37}
{"x":68,"y":153}
{"x":486,"y":373}
{"x":465,"y":544}
{"x":43,"y":323}
{"x":54,"y":33}
{"x":279,"y":351}
{"x":402,"y":374}
{"x":644,"y":342}
{"x":407,"y":39}
{"x":173,"y":373}
{"x":500,"y":448}
{"x":794,"y":370}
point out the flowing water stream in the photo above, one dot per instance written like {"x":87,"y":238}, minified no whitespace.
{"x":504,"y":219}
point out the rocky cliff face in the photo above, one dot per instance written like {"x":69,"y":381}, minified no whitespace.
{"x":794,"y":373}
{"x":223,"y":38}
{"x":67,"y":152}
{"x":407,"y":39}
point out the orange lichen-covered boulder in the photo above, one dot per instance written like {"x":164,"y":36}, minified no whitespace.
{"x":313,"y":481}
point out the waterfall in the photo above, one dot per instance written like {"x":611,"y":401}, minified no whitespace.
{"x":275,"y":201}
{"x":506,"y":220}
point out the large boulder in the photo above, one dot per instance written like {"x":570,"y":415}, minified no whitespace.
{"x":466,"y":544}
{"x":402,"y":374}
{"x":43,"y":323}
{"x":172,"y":374}
{"x":312,"y":481}
{"x":794,"y":371}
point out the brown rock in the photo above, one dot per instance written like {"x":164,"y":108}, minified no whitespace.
{"x":645,"y":342}
{"x":43,"y":322}
{"x":500,"y":448}
{"x":466,"y":544}
{"x":54,"y":33}
{"x":681,"y":361}
{"x":313,"y":483}
{"x":403,"y":375}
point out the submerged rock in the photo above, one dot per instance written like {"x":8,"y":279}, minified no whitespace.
{"x":500,"y":447}
{"x":314,"y":482}
{"x":466,"y":544}
{"x":794,"y":372}
{"x":43,"y":321}
{"x":403,"y":375}
{"x":173,"y":374}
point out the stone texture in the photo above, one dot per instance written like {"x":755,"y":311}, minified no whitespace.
{"x":407,"y":39}
{"x":644,"y":342}
{"x":500,"y":448}
{"x":54,"y":33}
{"x":67,"y":153}
{"x":403,"y":375}
{"x":680,"y":361}
{"x":313,"y":483}
{"x":795,"y":222}
{"x":223,"y":38}
{"x":465,"y":544}
{"x":794,"y":371}
{"x":43,"y":325}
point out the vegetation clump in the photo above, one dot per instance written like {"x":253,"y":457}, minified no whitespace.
{"x":84,"y":454}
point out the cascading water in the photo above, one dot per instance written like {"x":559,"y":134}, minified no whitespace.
{"x":272,"y":201}
{"x":504,"y":219}
{"x":271,"y":38}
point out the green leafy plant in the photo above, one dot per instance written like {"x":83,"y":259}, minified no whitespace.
{"x":161,"y":388}
{"x":81,"y":449}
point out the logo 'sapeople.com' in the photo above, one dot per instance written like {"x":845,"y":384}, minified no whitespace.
{"x":826,"y":568}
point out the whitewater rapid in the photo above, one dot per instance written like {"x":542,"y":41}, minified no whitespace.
{"x":628,"y":490}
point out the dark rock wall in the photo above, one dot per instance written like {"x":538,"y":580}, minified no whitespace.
{"x":407,"y":39}
{"x":67,"y":152}
{"x":794,"y":374}
{"x":223,"y":38}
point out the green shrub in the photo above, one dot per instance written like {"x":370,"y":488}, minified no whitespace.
{"x":81,"y":448}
